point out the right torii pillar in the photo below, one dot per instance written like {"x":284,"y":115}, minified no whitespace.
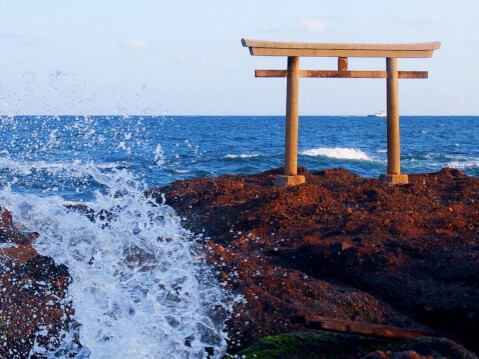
{"x":393,"y":175}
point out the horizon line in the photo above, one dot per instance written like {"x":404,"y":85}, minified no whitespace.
{"x":223,"y":115}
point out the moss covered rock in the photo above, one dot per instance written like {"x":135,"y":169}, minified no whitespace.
{"x":322,"y":344}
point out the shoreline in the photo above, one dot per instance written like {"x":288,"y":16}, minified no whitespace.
{"x":340,"y":247}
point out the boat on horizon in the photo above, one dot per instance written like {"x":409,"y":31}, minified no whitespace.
{"x":380,"y":113}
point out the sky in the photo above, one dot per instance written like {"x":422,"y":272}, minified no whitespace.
{"x":184,"y":57}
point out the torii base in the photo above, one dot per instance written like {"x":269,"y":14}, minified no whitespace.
{"x":286,"y":181}
{"x":390,"y":179}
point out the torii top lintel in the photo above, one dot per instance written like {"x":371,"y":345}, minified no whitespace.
{"x":276,"y":48}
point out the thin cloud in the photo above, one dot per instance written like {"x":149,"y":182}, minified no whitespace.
{"x":314,"y":26}
{"x":134,"y":44}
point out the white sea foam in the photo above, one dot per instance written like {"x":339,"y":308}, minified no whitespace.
{"x":243,"y":155}
{"x":337,"y":152}
{"x":140,"y":288}
{"x":75,"y":168}
{"x":8,"y":245}
{"x":464,"y":164}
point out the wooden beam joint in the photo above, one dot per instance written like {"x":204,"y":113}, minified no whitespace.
{"x":342,"y":64}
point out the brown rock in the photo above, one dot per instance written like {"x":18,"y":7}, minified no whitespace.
{"x":32,"y":295}
{"x":397,"y":243}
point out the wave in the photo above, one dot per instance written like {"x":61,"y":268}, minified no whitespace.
{"x":337,"y":152}
{"x":140,"y":285}
{"x":243,"y":155}
{"x":73,"y":168}
{"x":465,"y":164}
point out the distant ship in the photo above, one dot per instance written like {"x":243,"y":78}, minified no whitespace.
{"x":380,"y":113}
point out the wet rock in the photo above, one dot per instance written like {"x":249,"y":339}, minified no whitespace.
{"x":33,"y":308}
{"x":8,"y":232}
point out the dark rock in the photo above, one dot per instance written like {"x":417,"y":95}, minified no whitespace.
{"x":341,"y":246}
{"x":330,"y":345}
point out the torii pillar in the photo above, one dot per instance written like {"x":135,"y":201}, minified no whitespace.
{"x":393,"y":175}
{"x":293,"y":51}
{"x":291,"y":177}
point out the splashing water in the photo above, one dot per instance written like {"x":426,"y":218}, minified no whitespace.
{"x":140,"y":287}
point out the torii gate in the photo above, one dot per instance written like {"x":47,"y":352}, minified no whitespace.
{"x":294,"y":50}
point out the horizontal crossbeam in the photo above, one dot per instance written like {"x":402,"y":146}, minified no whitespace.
{"x":275,"y":48}
{"x":343,"y":74}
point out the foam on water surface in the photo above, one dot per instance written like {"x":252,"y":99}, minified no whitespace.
{"x":140,"y":286}
{"x":338,"y":152}
{"x":243,"y":155}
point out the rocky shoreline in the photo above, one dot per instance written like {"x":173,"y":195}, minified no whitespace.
{"x":341,"y":246}
{"x":345,"y":249}
{"x":34,"y":309}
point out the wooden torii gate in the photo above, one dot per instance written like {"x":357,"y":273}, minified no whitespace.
{"x":294,"y":50}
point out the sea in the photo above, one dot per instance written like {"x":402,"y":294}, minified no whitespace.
{"x":150,"y":298}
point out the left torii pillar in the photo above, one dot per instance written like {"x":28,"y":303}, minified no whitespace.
{"x":394,"y":175}
{"x":291,"y":177}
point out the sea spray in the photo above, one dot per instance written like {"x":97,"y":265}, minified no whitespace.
{"x":140,"y":286}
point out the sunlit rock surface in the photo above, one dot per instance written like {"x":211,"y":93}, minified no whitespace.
{"x":341,"y":246}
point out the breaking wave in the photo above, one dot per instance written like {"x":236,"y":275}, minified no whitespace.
{"x":141,"y":287}
{"x":337,"y":152}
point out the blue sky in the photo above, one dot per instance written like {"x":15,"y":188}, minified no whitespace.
{"x":185,"y":57}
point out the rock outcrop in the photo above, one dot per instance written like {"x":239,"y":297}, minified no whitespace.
{"x":341,"y":246}
{"x":34,"y":311}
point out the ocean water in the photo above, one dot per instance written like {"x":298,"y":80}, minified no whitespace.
{"x":52,"y":155}
{"x":136,"y":294}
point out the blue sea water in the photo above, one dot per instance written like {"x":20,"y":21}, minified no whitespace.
{"x":133,"y":294}
{"x":48,"y":154}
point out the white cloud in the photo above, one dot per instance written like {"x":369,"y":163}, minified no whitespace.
{"x":134,"y":44}
{"x":312,"y":25}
